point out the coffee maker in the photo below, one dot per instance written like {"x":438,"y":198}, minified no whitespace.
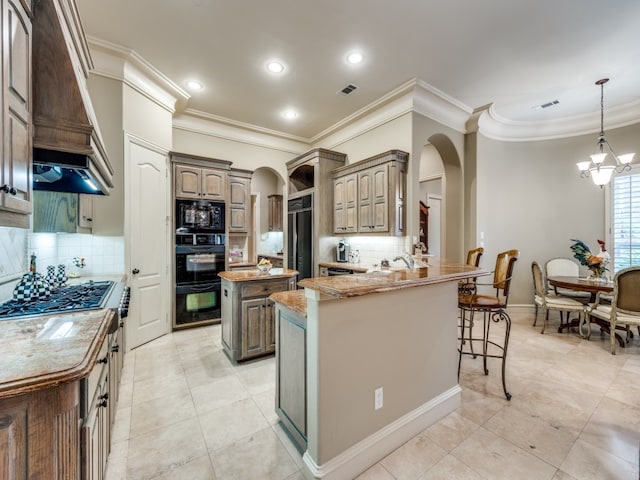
{"x":342,"y":251}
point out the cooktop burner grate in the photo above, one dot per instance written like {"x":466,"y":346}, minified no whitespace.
{"x":84,"y":296}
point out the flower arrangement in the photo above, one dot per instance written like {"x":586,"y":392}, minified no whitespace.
{"x":79,"y":262}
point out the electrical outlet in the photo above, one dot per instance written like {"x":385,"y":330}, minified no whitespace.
{"x":377,"y":398}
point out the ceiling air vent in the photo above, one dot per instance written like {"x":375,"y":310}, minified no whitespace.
{"x":547,"y":105}
{"x":348,"y":89}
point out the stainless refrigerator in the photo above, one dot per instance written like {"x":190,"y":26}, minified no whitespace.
{"x":300,"y":236}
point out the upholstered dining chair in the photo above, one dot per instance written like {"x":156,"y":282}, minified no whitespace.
{"x":493,"y":310}
{"x":468,"y":285}
{"x":547,"y":300}
{"x":565,"y":267}
{"x":625,"y":304}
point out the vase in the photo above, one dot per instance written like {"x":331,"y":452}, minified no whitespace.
{"x":51,"y":278}
{"x":62,"y":275}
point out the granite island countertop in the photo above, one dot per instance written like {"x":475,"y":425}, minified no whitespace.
{"x":45,"y":351}
{"x":295,"y":300}
{"x":384,"y":280}
{"x":356,"y":267}
{"x":255,"y":274}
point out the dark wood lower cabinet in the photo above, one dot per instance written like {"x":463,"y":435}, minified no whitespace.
{"x":63,"y":432}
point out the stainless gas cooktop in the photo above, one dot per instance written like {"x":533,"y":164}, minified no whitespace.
{"x":84,"y":296}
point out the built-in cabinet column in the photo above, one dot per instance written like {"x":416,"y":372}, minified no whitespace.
{"x":15,"y":120}
{"x":239,"y":201}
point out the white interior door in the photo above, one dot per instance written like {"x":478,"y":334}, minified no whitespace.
{"x":147,"y":239}
{"x":434,"y":202}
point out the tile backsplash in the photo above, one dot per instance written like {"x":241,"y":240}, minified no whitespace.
{"x":102,"y":255}
{"x":372,"y":249}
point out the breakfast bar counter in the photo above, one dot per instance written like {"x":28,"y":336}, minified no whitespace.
{"x":379,"y":364}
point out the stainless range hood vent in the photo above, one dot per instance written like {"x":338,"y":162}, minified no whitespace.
{"x":66,"y":137}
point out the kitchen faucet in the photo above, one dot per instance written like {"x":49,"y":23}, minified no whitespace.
{"x":406,"y":258}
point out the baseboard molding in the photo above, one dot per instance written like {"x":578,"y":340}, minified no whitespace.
{"x":356,"y":459}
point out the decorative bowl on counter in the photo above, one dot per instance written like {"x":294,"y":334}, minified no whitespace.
{"x":265,"y":268}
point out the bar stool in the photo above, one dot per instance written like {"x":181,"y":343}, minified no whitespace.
{"x":493,"y":309}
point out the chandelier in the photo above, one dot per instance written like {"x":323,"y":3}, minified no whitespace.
{"x":595,"y":168}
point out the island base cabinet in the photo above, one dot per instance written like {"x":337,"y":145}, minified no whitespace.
{"x":291,"y":374}
{"x":40,"y":435}
{"x":248,"y":318}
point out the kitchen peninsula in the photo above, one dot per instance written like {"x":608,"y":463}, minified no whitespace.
{"x":381,"y":361}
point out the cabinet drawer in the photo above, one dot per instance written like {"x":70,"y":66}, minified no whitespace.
{"x":93,"y":380}
{"x":263,"y":289}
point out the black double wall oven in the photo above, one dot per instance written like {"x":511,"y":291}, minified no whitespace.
{"x":200,"y":257}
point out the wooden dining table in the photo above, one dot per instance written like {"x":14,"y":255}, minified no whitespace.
{"x":582,"y":284}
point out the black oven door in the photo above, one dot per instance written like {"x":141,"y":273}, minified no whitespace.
{"x":198,"y":303}
{"x":196,"y":264}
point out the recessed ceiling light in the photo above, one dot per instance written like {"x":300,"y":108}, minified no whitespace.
{"x":289,"y":114}
{"x":354,"y":58}
{"x":194,"y":85}
{"x":275,"y":67}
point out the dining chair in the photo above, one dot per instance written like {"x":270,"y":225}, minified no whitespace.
{"x":493,"y":310}
{"x":547,"y":300}
{"x":467,"y":286}
{"x":565,"y":267}
{"x":624,"y":308}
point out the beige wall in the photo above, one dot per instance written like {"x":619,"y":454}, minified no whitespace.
{"x":243,"y":155}
{"x":146,"y":119}
{"x":530,"y":197}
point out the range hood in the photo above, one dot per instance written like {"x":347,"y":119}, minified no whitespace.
{"x":68,"y":151}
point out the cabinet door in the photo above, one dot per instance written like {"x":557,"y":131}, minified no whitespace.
{"x":214,"y":184}
{"x":339,"y":202}
{"x":275,"y":213}
{"x":270,"y":325}
{"x":351,"y":203}
{"x":238,"y":204}
{"x":13,"y":439}
{"x":85,"y":211}
{"x":365,"y":201}
{"x":253,"y":327}
{"x":380,"y":199}
{"x":15,"y":164}
{"x":187,"y":182}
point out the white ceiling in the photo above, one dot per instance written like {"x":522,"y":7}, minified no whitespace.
{"x":514,"y":54}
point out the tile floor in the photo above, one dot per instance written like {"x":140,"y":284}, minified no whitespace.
{"x":185,"y":412}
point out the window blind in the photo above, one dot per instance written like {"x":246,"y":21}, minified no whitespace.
{"x":625,"y":226}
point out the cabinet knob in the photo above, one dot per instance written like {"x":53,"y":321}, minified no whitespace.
{"x":7,"y":189}
{"x":103,"y":360}
{"x":115,"y":348}
{"x":135,"y":271}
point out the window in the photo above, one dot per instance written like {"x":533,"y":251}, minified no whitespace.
{"x":625,"y":220}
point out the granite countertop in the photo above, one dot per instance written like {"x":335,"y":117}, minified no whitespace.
{"x":376,"y":281}
{"x":45,"y":351}
{"x":242,"y":264}
{"x":295,"y":300}
{"x":255,"y":274}
{"x":356,"y":267}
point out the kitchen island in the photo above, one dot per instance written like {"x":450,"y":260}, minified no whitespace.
{"x":47,"y":381}
{"x":248,"y":320}
{"x":380,"y":362}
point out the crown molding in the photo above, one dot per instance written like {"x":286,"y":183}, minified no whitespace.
{"x":440,"y":107}
{"x":493,"y":126}
{"x":123,"y":64}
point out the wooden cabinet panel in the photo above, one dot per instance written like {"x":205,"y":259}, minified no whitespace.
{"x":187,"y":182}
{"x":253,"y":326}
{"x":369,"y":195}
{"x":213,"y":185}
{"x":13,"y":439}
{"x":239,"y":195}
{"x":275,"y":213}
{"x":16,"y":151}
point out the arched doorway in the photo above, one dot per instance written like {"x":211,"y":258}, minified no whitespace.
{"x":265,"y":182}
{"x":440,"y":177}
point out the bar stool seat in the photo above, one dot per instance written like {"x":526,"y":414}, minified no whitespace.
{"x":493,"y":310}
